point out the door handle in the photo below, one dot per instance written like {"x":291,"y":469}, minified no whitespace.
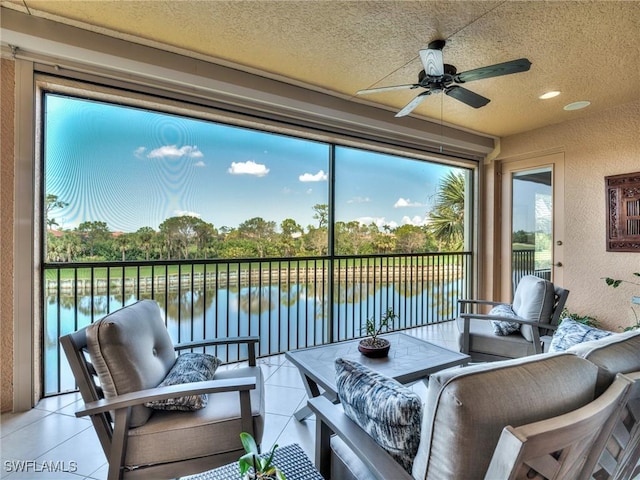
{"x":559,"y":264}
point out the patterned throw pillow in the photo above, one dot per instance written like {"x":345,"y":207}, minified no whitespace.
{"x":189,"y":367}
{"x":505,"y":327}
{"x":389,"y":412}
{"x":570,"y":333}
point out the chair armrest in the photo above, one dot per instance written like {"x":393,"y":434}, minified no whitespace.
{"x":381,"y":465}
{"x":520,"y":320}
{"x":217,"y":341}
{"x":159,"y":393}
{"x":480,"y":302}
{"x":251,"y":341}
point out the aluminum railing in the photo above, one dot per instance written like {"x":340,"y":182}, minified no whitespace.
{"x":289,"y":302}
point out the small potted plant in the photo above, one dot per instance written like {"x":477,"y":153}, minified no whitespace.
{"x":254,"y":466}
{"x":372,"y":346}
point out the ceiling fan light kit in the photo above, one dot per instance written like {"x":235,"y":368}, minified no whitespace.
{"x":439,"y":77}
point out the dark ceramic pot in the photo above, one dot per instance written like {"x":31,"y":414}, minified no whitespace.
{"x":380,"y":350}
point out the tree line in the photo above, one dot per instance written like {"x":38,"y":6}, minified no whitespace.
{"x":189,"y":237}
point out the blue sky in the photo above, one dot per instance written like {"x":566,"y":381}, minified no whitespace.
{"x":132,"y":168}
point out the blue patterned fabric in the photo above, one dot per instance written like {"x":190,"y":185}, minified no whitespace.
{"x":503,"y":328}
{"x":570,"y":333}
{"x":389,"y":412}
{"x":189,"y":367}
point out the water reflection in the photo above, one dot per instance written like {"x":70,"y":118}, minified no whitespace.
{"x":285,"y":317}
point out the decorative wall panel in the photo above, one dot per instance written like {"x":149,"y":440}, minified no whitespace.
{"x":623,"y":212}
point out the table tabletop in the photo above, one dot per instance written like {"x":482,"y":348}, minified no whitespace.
{"x":410,"y":359}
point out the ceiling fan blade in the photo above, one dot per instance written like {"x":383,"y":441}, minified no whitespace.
{"x":506,"y":68}
{"x":467,"y":96}
{"x":413,"y":104}
{"x":387,"y":89}
{"x":432,"y":62}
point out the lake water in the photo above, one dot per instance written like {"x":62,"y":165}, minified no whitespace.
{"x":285,"y":318}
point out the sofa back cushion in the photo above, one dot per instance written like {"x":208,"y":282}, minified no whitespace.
{"x":618,"y":353}
{"x":467,"y":408}
{"x":534,"y":300}
{"x":131,"y":350}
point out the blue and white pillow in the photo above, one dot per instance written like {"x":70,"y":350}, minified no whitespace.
{"x":188,"y":367}
{"x":570,"y":333}
{"x":505,"y":327}
{"x":389,"y":412}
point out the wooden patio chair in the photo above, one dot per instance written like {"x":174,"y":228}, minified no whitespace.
{"x":535,"y":311}
{"x":559,"y":448}
{"x":118,"y":363}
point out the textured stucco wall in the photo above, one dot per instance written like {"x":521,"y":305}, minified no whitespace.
{"x":594,"y":147}
{"x":7,"y":84}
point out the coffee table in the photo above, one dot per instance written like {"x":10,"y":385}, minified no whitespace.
{"x":410,"y":359}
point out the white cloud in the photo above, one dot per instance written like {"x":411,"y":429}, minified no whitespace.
{"x":313,"y":177}
{"x":186,"y":213}
{"x":309,"y":191}
{"x":139,"y":152}
{"x":378,"y":221}
{"x":174,"y":152}
{"x":248,"y":168}
{"x":403,"y":203}
{"x":359,"y":200}
{"x":200,"y":164}
{"x":417,"y":220}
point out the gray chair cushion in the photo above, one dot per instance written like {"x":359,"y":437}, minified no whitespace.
{"x":482,"y":340}
{"x":131,"y":350}
{"x":389,"y":412}
{"x":570,"y":333}
{"x":189,"y":367}
{"x":170,"y":436}
{"x":618,"y":353}
{"x":346,"y":465}
{"x":467,"y":408}
{"x":533,"y":300}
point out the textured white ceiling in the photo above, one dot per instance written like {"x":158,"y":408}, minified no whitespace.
{"x":589,"y":50}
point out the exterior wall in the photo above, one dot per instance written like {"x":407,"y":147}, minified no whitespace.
{"x":594,"y":147}
{"x":7,"y":107}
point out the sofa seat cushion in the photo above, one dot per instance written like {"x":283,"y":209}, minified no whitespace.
{"x":171,"y":436}
{"x":388,"y":411}
{"x":346,"y":465}
{"x":189,"y":367}
{"x":570,"y":333}
{"x":483,"y":340}
{"x":534,"y":300}
{"x":131,"y":350}
{"x":613,"y":354}
{"x":467,"y":408}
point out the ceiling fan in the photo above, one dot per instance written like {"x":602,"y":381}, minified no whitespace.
{"x":439,"y":77}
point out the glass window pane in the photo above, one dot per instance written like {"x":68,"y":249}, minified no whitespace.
{"x":124,"y":183}
{"x":532,"y":220}
{"x":386,"y":203}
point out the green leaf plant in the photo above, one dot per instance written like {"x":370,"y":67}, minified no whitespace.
{"x":373,"y":328}
{"x":261,"y":465}
{"x":615,"y":283}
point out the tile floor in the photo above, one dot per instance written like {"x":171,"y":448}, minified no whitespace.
{"x":49,"y":442}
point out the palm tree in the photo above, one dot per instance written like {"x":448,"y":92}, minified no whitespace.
{"x":446,"y":220}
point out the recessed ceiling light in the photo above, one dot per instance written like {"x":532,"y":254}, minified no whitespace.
{"x":547,"y":95}
{"x":577,"y":105}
